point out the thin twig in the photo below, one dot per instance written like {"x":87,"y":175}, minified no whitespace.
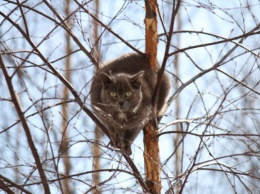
{"x":13,"y":184}
{"x":166,"y":54}
{"x":214,"y":67}
{"x":74,"y":93}
{"x":107,"y":28}
{"x":22,"y":117}
{"x":5,"y":187}
{"x":58,"y":75}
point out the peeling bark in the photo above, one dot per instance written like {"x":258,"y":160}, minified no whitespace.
{"x":151,"y":143}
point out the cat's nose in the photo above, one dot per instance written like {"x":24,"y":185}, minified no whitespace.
{"x":121,"y":103}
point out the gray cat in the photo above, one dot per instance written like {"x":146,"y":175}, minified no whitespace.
{"x":121,"y":95}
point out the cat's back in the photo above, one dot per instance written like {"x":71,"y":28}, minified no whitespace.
{"x":130,"y":63}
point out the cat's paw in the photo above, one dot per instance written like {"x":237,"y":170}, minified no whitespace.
{"x":127,"y":150}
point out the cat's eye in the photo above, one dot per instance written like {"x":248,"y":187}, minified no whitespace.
{"x":113,"y":94}
{"x":128,"y":94}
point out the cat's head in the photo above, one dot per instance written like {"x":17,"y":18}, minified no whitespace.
{"x":122,"y":92}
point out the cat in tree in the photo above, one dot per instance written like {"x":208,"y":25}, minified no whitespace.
{"x":121,"y":97}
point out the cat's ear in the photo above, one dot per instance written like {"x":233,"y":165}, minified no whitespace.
{"x":136,"y":79}
{"x":106,"y":79}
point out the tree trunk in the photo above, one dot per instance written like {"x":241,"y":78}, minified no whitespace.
{"x":178,"y":137}
{"x":98,"y":133}
{"x":151,"y":146}
{"x":64,"y":142}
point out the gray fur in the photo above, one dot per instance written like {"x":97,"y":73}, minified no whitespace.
{"x":124,"y":116}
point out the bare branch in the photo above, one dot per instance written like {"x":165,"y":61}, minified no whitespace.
{"x":20,"y":113}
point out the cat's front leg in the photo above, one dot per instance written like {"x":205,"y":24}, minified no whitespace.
{"x":118,"y":139}
{"x":129,"y":137}
{"x":127,"y":147}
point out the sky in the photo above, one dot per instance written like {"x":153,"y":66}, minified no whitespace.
{"x":223,"y":101}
